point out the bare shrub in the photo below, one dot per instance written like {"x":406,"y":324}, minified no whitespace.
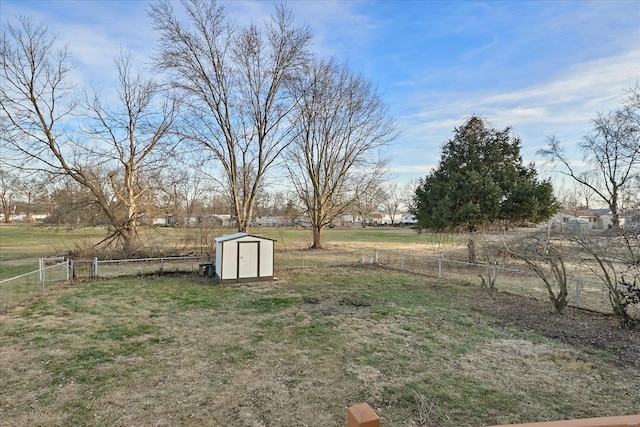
{"x":493,"y":257}
{"x":615,"y":259}
{"x":546,"y":257}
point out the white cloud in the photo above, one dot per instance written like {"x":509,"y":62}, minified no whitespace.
{"x":562,"y":106}
{"x":571,"y":99}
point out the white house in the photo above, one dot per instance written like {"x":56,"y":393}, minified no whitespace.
{"x":584,"y":219}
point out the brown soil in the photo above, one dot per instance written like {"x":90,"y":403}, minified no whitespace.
{"x":594,"y":332}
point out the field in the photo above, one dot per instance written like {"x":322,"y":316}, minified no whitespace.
{"x":21,"y":245}
{"x":176,"y":350}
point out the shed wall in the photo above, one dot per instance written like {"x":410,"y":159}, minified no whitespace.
{"x":266,"y":258}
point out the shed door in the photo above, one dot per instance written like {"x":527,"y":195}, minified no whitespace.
{"x":248,"y":259}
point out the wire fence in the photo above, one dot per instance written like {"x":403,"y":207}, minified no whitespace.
{"x":16,"y":290}
{"x":94,"y":268}
{"x":586,"y":292}
{"x":583,"y":292}
{"x":317,"y":258}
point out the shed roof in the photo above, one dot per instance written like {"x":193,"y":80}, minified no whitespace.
{"x":239,"y":235}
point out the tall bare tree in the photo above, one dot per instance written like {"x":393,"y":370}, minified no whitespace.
{"x":233,"y":82}
{"x":9,"y":187}
{"x":342,"y":126}
{"x":118,"y":142}
{"x":35,"y":95}
{"x":611,"y":152}
{"x":128,"y":141}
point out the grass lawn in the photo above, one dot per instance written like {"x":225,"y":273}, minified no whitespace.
{"x":33,"y":241}
{"x":22,"y":244}
{"x":294,"y":352}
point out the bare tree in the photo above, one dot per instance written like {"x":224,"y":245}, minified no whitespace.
{"x":32,"y":189}
{"x":585,"y":193}
{"x":630,"y":198}
{"x":397,"y":197}
{"x":9,"y":187}
{"x":72,"y":204}
{"x":35,"y":94}
{"x":118,"y":143}
{"x":392,"y":201}
{"x":183,"y":191}
{"x":127,"y":141}
{"x":567,"y":197}
{"x":615,"y":259}
{"x":342,"y":125}
{"x":611,"y":152}
{"x":233,"y":85}
{"x":369,"y":202}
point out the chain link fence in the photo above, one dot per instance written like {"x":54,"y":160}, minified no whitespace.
{"x":16,"y":290}
{"x":583,"y":292}
{"x":317,"y":258}
{"x":94,"y":268}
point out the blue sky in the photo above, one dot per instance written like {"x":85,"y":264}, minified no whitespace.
{"x":542,"y":67}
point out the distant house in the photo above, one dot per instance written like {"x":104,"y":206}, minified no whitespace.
{"x":271,"y":221}
{"x":584,"y":219}
{"x":387,"y":220}
{"x":631,"y":220}
{"x":220,"y":220}
{"x":409,"y":219}
{"x":22,"y":217}
{"x":164,"y":221}
{"x":376,"y":218}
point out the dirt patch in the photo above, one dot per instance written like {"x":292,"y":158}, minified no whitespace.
{"x":580,"y":328}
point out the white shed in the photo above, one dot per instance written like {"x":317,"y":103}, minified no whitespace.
{"x":242,"y":257}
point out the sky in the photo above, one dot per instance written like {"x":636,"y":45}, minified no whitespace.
{"x":541,"y":67}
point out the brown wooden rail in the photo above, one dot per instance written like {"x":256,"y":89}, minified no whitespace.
{"x":361,"y":415}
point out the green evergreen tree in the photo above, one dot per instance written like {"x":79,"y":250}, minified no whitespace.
{"x":481,"y":179}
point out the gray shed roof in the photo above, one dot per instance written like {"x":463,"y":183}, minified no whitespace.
{"x":235,"y":236}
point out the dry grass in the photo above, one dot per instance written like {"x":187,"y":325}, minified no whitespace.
{"x":296,"y":352}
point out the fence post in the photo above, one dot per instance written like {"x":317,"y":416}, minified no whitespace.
{"x":68,"y":269}
{"x":375,"y":256}
{"x":95,"y":267}
{"x":440,"y":268}
{"x":361,"y":415}
{"x":41,"y":272}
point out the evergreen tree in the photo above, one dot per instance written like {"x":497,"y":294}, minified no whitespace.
{"x":481,"y":179}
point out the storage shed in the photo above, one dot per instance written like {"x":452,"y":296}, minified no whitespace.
{"x":242,"y":257}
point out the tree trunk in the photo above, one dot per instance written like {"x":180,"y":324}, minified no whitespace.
{"x":471,"y":245}
{"x":242,"y":226}
{"x":7,"y":215}
{"x":317,"y":237}
{"x":129,"y":234}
